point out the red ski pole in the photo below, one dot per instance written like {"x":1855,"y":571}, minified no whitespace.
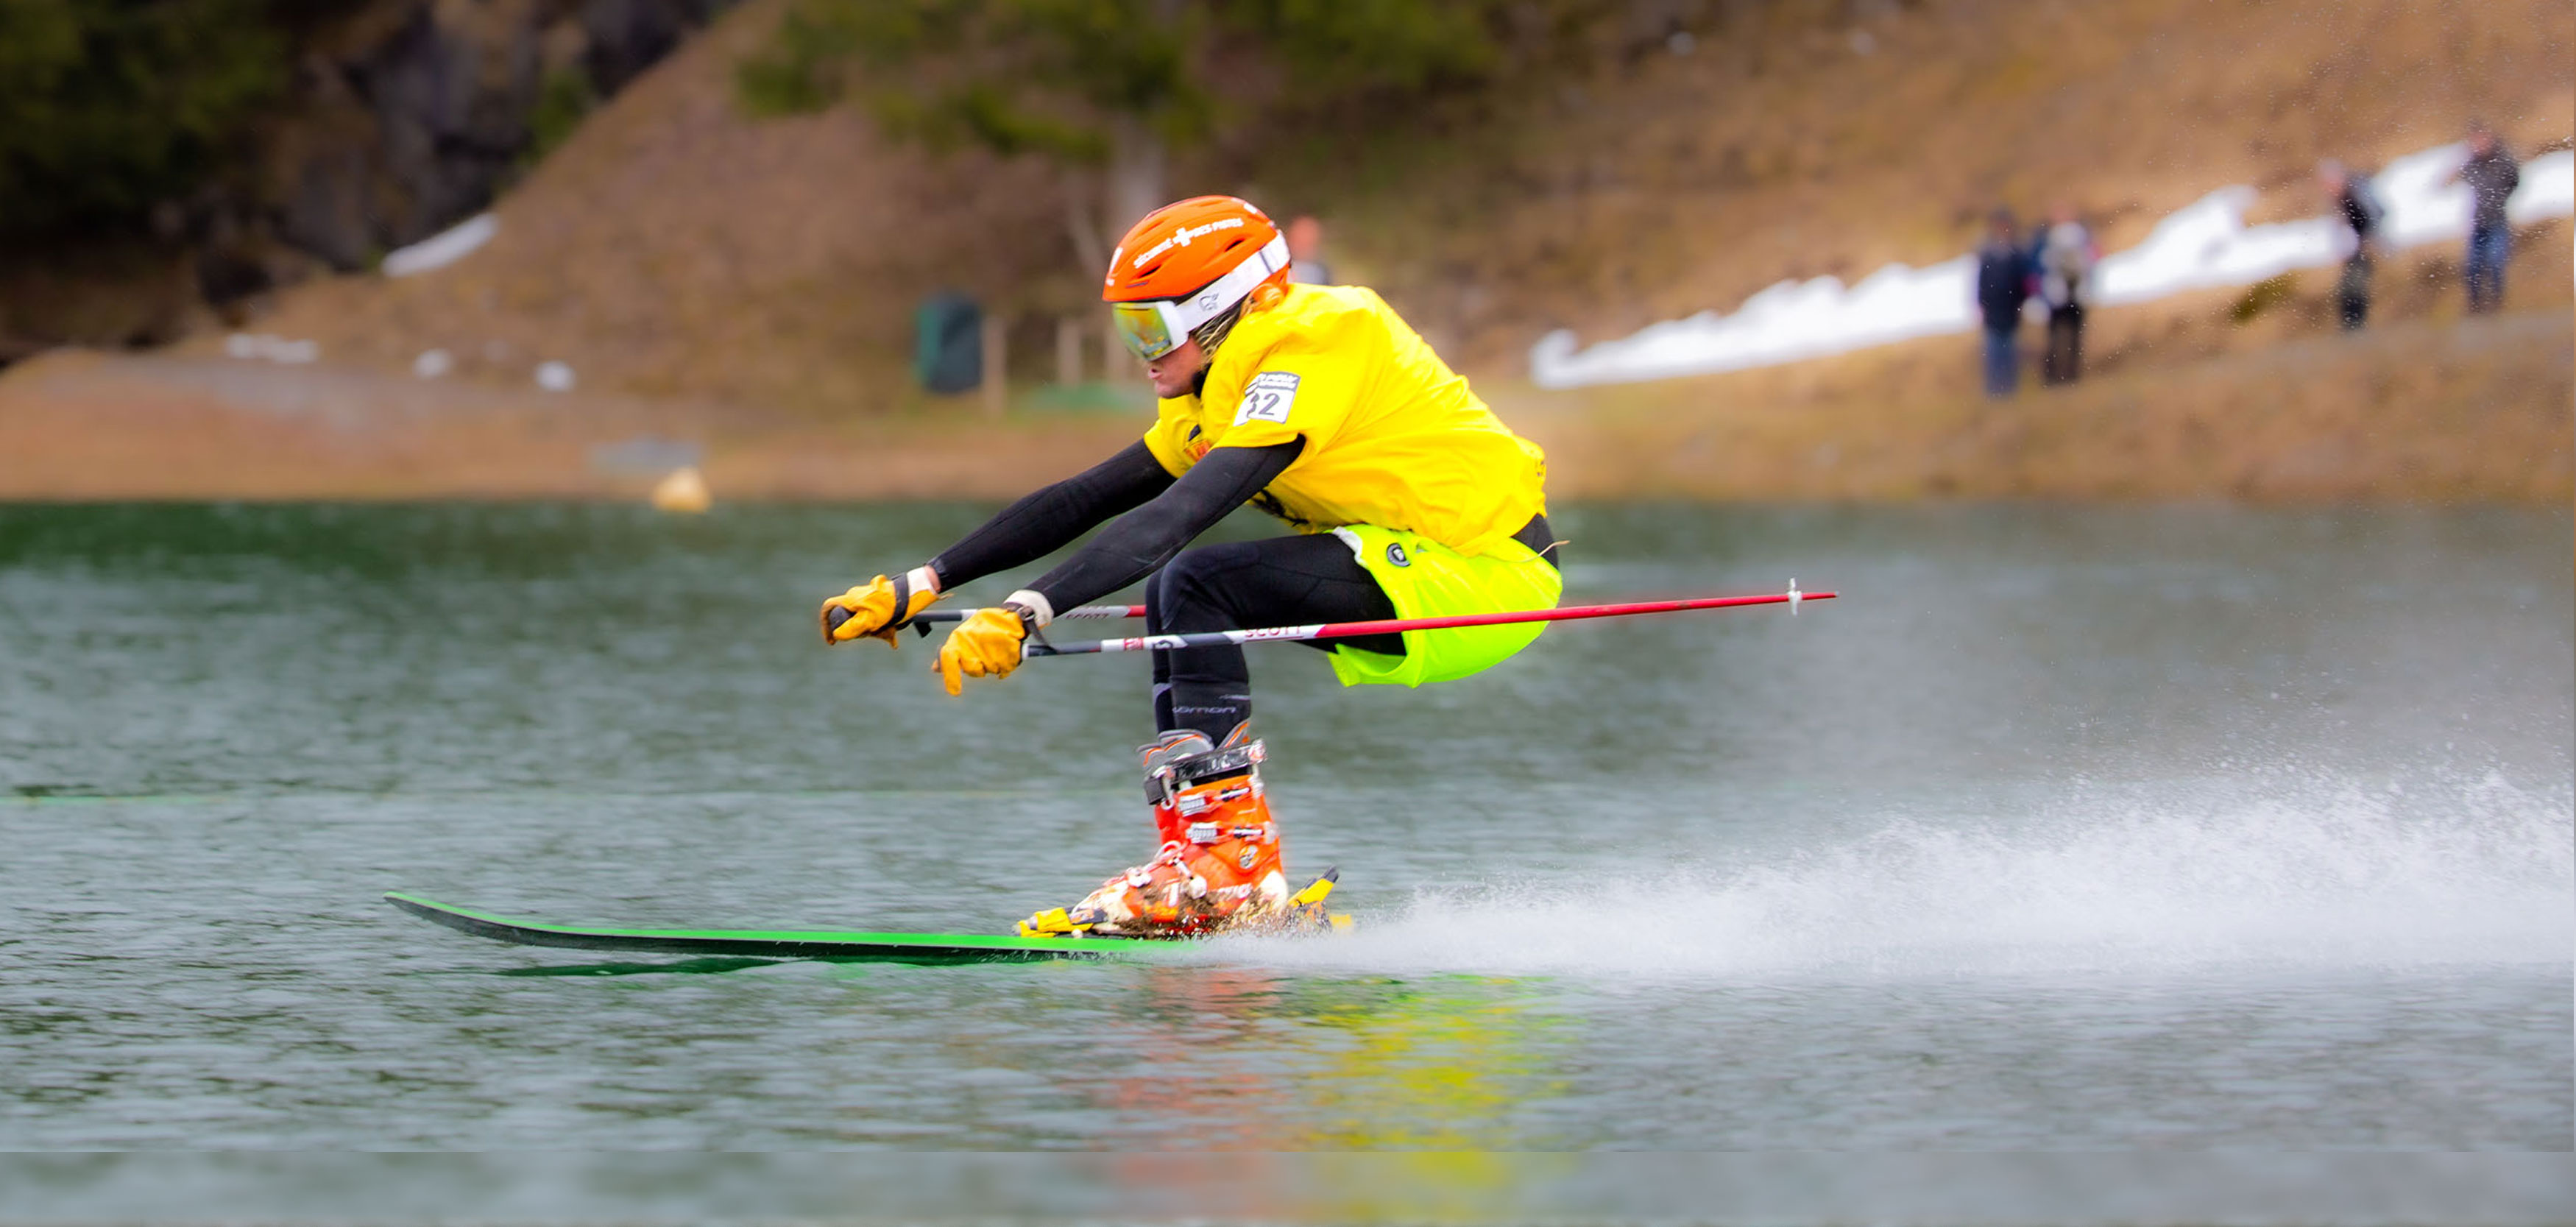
{"x":1390,"y":626}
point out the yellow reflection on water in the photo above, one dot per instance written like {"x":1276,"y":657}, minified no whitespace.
{"x":1256,"y":1060}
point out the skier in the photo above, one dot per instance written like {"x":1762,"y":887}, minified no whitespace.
{"x":1318,"y":405}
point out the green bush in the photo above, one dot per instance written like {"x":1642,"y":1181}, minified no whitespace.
{"x":1054,"y":76}
{"x":108,"y":107}
{"x":564,"y":99}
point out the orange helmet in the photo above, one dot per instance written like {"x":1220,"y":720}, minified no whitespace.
{"x":1187,"y":264}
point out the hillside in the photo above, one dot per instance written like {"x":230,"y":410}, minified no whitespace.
{"x":1774,"y":153}
{"x":2424,"y":411}
{"x":746,"y":285}
{"x":676,"y":248}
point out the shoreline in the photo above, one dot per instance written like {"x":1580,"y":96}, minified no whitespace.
{"x":2418,"y":411}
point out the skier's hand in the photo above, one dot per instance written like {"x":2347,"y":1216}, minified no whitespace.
{"x":986,"y":644}
{"x":879,"y":607}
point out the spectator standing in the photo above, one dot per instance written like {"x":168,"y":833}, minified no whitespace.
{"x":2065,"y":256}
{"x":1306,"y":252}
{"x":2491,"y":174}
{"x":2003,"y":285}
{"x":2359,"y":210}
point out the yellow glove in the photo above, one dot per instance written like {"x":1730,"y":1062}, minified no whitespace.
{"x":986,"y":644}
{"x":879,"y":607}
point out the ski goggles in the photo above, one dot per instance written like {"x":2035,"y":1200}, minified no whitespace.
{"x":1153,"y":329}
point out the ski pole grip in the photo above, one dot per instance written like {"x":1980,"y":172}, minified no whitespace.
{"x":832,"y":621}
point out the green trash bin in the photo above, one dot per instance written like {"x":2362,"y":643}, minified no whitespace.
{"x":948,"y":344}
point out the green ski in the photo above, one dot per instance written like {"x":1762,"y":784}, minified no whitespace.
{"x":937,"y":949}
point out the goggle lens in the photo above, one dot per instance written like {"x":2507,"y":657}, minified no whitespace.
{"x":1144,"y":328}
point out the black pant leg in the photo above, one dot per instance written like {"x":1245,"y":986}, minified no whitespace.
{"x":2074,"y":342}
{"x":1282,"y":581}
{"x":2065,"y":343}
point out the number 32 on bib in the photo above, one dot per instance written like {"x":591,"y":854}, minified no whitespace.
{"x":1268,"y":398}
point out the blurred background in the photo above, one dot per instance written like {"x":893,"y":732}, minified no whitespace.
{"x":408,"y":248}
{"x":428,"y":426}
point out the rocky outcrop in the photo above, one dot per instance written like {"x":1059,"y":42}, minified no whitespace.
{"x":412,"y":115}
{"x":403,"y":117}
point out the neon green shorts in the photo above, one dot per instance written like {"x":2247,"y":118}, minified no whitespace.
{"x":1425,"y":579}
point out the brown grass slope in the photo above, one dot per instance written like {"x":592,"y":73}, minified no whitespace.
{"x":2425,"y":411}
{"x":747,"y":285}
{"x":1779,"y":150}
{"x":676,"y":248}
{"x":2183,"y":400}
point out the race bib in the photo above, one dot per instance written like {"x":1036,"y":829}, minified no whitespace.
{"x":1268,"y":398}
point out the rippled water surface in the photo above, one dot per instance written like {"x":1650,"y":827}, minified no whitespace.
{"x":2064,"y":828}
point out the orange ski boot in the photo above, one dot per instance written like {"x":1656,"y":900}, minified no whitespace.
{"x":1220,"y":865}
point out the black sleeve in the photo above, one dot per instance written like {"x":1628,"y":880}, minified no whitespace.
{"x":1147,"y":537}
{"x":1041,"y":523}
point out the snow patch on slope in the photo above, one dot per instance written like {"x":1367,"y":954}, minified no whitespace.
{"x":443,"y":248}
{"x":2202,"y":245}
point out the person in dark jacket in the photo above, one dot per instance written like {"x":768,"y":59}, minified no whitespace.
{"x":2003,"y":285}
{"x":2358,"y":208}
{"x":2492,"y":175}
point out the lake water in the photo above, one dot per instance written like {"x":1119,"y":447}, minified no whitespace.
{"x":2064,"y":828}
